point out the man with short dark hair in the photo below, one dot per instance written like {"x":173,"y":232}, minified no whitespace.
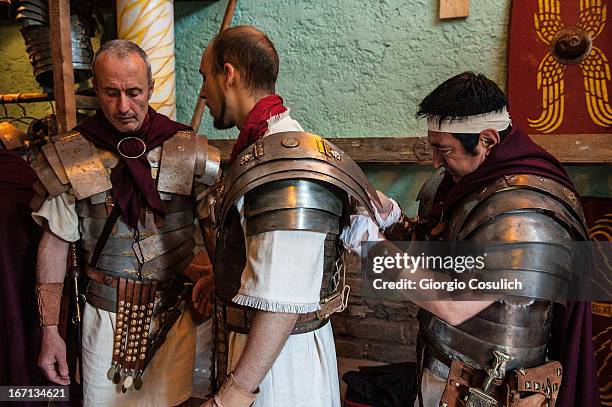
{"x":125,"y":183}
{"x":278,"y":268}
{"x":496,"y":187}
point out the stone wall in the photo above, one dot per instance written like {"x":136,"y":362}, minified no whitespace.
{"x":384,"y":331}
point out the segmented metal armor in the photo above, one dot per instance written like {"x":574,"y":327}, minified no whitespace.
{"x":289,"y":181}
{"x":165,"y":248}
{"x":525,"y":221}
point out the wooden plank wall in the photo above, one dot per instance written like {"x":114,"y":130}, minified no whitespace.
{"x":568,"y":148}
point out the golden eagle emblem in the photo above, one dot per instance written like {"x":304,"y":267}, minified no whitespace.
{"x":568,"y":46}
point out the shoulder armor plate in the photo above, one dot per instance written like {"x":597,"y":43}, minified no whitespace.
{"x":177,"y":163}
{"x":208,"y":162}
{"x":71,"y":160}
{"x":294,"y":155}
{"x":47,"y":176}
{"x":83,"y":166}
{"x":184,"y":155}
{"x":518,"y":192}
{"x":294,"y":204}
{"x":524,"y":221}
{"x":10,"y":136}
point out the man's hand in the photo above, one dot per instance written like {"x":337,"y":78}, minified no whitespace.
{"x":200,"y":272}
{"x":52,"y":351}
{"x":387,"y":205}
{"x":210,"y":403}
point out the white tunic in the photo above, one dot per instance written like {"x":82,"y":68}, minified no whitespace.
{"x":283,"y":273}
{"x":432,"y":388}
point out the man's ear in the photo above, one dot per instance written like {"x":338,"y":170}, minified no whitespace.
{"x":151,"y":87}
{"x":489,"y":139}
{"x":231,"y":75}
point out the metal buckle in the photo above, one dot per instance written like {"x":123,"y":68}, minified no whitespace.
{"x":341,"y":306}
{"x":253,"y":153}
{"x":108,"y":279}
{"x":258,"y":151}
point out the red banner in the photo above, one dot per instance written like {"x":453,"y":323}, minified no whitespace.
{"x":559,"y":76}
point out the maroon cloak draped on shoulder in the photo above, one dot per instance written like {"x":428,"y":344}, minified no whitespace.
{"x":19,"y":236}
{"x":571,"y":340}
{"x":133,"y":186}
{"x":515,"y":154}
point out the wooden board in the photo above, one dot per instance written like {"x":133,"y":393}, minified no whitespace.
{"x":454,"y":9}
{"x":568,"y":148}
{"x":63,"y":75}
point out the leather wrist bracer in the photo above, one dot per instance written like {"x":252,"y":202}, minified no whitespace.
{"x":49,"y":298}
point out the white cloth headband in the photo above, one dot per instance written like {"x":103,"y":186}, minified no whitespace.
{"x":496,"y":120}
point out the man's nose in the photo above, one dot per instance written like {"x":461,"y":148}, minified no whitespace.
{"x":437,"y":159}
{"x":203,"y":92}
{"x":123,"y":107}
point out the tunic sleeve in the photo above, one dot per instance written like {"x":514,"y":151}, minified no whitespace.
{"x":59,"y":214}
{"x":283,"y":271}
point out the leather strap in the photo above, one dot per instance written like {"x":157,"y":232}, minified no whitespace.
{"x":240,"y":319}
{"x":462,"y":378}
{"x":432,"y":359}
{"x":544,"y":381}
{"x":101,"y":277}
{"x":102,"y":289}
{"x":108,"y":228}
{"x":102,"y":296}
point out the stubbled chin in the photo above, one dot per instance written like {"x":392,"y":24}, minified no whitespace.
{"x":126,"y":127}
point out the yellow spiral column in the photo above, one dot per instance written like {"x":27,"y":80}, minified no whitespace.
{"x":150,"y":24}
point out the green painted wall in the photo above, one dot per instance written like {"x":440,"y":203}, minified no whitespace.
{"x":359,"y":68}
{"x":351,"y":67}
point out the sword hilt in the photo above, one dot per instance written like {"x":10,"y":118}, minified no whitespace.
{"x":495,"y":371}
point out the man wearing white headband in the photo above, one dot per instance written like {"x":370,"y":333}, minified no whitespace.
{"x":495,"y":185}
{"x":461,"y":143}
